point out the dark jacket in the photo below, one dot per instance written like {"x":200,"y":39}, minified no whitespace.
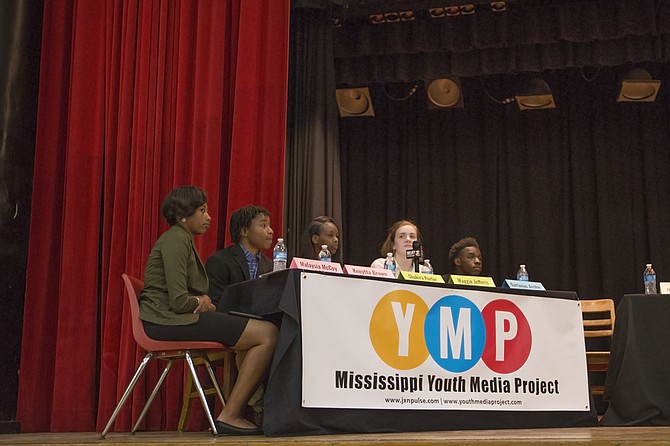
{"x":228,"y":266}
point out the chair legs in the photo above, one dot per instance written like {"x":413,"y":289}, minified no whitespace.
{"x":157,"y":387}
{"x":215,"y":382}
{"x":190,"y":390}
{"x":193,"y":375}
{"x":127,"y":393}
{"x":201,"y":393}
{"x":187,"y":401}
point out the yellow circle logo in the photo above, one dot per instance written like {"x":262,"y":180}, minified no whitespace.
{"x":396,"y":330}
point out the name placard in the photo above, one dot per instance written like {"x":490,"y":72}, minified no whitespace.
{"x":471,"y":280}
{"x":664,"y":287}
{"x":366,"y":271}
{"x":420,"y":277}
{"x":316,"y":265}
{"x":523,"y":285}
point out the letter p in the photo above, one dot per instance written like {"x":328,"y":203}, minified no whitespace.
{"x":504,"y":332}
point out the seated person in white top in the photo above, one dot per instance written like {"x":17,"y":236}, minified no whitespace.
{"x":398,"y":241}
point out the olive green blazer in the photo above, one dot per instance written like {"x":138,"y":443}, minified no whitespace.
{"x":173,"y":275}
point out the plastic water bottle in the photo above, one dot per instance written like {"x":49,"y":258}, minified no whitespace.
{"x":324,"y":254}
{"x":649,"y":280}
{"x":522,"y":274}
{"x":427,"y":267}
{"x":279,"y":256}
{"x":389,"y":263}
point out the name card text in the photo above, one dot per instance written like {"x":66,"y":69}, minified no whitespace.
{"x":421,"y":277}
{"x":368,"y":272}
{"x":471,"y":280}
{"x":316,"y":265}
{"x":523,"y":285}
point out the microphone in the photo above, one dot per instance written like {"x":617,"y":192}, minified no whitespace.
{"x":416,"y":254}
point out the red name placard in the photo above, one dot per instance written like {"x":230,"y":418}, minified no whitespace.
{"x":366,"y":271}
{"x":316,"y":265}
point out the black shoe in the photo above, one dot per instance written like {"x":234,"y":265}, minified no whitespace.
{"x":228,"y":429}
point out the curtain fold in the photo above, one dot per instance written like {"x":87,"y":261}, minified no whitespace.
{"x":135,"y":98}
{"x":260,"y":98}
{"x":313,"y":185}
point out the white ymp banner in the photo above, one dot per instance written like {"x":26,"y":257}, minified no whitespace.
{"x":391,"y":345}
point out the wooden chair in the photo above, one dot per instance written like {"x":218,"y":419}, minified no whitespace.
{"x":226,"y":359}
{"x":598,"y":316}
{"x":169,"y":351}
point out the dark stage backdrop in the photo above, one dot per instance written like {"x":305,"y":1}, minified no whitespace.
{"x":577,"y":193}
{"x":20,"y":31}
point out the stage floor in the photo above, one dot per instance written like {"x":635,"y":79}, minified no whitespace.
{"x":600,"y":436}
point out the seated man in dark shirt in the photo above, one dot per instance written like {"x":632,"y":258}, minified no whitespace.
{"x":243,"y":260}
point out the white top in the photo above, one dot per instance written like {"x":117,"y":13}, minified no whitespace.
{"x":379,"y":263}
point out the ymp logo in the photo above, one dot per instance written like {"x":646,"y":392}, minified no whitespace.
{"x":404,"y":331}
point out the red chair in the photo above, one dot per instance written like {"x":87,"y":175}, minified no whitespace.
{"x":168,"y":351}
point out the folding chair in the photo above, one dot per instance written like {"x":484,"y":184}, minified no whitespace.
{"x":168,"y":351}
{"x":598,"y":316}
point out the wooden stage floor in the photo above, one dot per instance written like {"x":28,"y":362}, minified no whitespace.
{"x":598,"y":436}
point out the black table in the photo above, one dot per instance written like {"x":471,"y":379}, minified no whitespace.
{"x":279,"y":293}
{"x":638,"y":380}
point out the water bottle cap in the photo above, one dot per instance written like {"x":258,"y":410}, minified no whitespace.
{"x":279,"y":240}
{"x":389,"y":254}
{"x":648,"y":265}
{"x":324,"y":246}
{"x":522,"y":266}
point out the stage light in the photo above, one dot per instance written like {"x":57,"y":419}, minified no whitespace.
{"x":498,"y":6}
{"x":436,"y":13}
{"x":444,"y":93}
{"x":392,"y":17}
{"x":468,"y":9}
{"x":536,"y":94}
{"x":376,"y":19}
{"x":638,"y":86}
{"x":354,"y":102}
{"x":451,"y":11}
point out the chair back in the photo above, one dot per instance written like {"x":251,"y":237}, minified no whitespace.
{"x":134,"y":288}
{"x":598,"y":316}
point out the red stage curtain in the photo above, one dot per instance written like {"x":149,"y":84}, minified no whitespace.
{"x":135,"y":98}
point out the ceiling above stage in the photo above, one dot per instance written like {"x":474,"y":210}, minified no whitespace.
{"x":361,"y":10}
{"x":405,"y":40}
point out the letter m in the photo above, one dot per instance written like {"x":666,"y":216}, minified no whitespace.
{"x":456,"y":337}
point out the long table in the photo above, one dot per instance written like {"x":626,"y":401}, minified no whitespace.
{"x":638,"y":380}
{"x":276,"y":296}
